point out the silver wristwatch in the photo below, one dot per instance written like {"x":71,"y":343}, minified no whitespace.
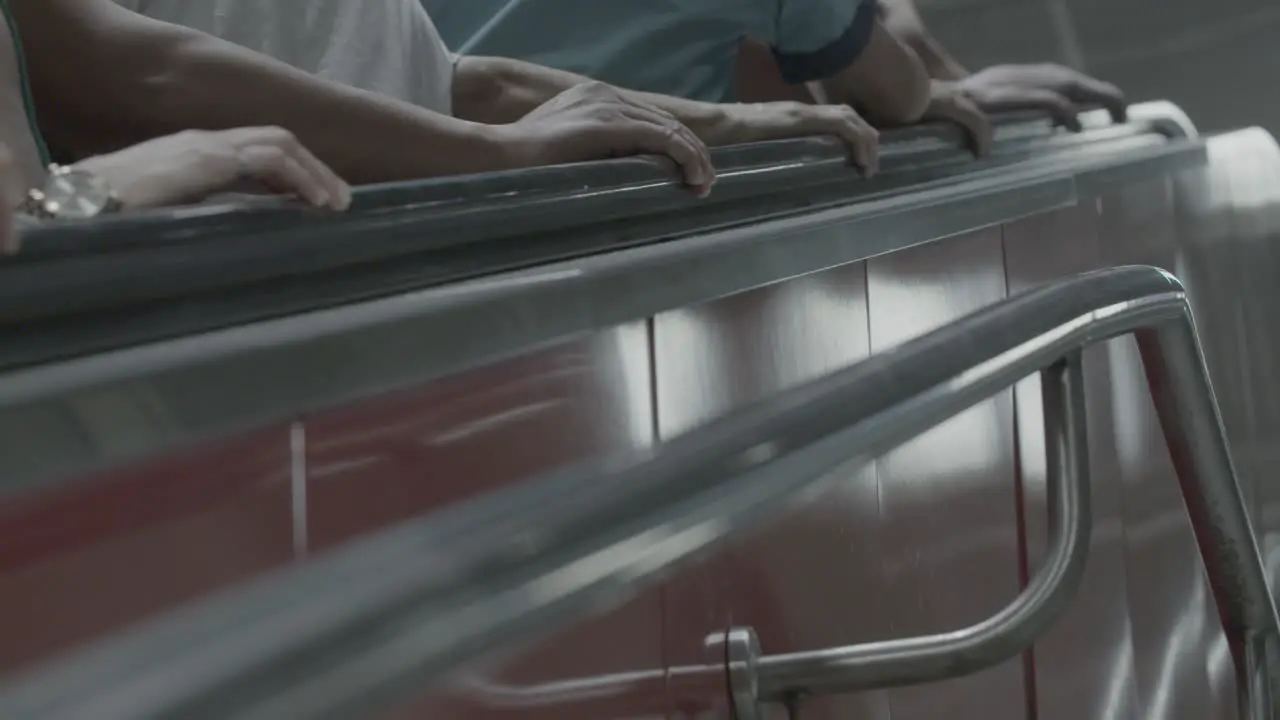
{"x":71,"y":194}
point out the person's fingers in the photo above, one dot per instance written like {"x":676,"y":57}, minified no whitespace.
{"x":1059,"y":107}
{"x":338,"y":190}
{"x":279,"y":171}
{"x":655,"y":131}
{"x":1063,"y":111}
{"x":966,"y":113}
{"x":842,"y":121}
{"x":335,"y":188}
{"x":703,"y":172}
{"x":1085,"y":90}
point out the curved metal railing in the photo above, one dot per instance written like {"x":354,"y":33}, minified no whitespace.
{"x":369,"y":625}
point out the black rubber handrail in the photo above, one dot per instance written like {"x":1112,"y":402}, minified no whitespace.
{"x":630,"y":179}
{"x":177,"y":272}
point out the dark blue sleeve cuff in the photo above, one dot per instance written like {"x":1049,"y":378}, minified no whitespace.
{"x":835,"y":56}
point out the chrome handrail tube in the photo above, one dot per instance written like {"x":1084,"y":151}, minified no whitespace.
{"x":1183,"y":396}
{"x":1002,"y":636}
{"x":457,"y":586}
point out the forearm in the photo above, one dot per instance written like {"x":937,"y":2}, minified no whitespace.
{"x":502,"y":90}
{"x":938,"y":61}
{"x":888,"y":83}
{"x":902,"y":19}
{"x":174,"y":79}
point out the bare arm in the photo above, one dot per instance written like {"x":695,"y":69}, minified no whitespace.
{"x":503,"y":90}
{"x":104,"y":77}
{"x":887,"y":82}
{"x":497,"y":90}
{"x":903,"y":20}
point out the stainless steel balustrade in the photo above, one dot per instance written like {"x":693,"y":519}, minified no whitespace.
{"x":305,"y":643}
{"x":791,"y":677}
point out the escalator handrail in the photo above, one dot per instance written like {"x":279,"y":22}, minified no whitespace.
{"x":379,"y":620}
{"x":630,"y":180}
{"x":180,"y":351}
{"x":83,"y":270}
{"x":80,"y":289}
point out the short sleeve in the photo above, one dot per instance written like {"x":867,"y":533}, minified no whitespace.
{"x":815,"y":39}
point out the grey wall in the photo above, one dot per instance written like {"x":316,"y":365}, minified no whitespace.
{"x":1217,"y":59}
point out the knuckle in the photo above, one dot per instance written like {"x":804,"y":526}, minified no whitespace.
{"x":607,"y":112}
{"x":195,"y":138}
{"x":595,"y":88}
{"x":272,"y":156}
{"x":279,"y":137}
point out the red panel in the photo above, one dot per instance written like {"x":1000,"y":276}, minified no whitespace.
{"x":1084,"y":662}
{"x":105,"y":551}
{"x":397,"y":456}
{"x":603,"y":668}
{"x":801,"y":580}
{"x":948,"y":499}
{"x":404,"y":454}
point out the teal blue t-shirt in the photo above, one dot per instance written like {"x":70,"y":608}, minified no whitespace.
{"x":26,"y":85}
{"x":677,"y":47}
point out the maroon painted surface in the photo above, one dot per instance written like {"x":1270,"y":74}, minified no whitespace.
{"x":1175,"y":625}
{"x":926,"y":539}
{"x":807,"y":579}
{"x":622,"y":651}
{"x":392,"y":458}
{"x":399,"y":456}
{"x":112,"y":549}
{"x":1084,"y":664}
{"x":948,"y":499}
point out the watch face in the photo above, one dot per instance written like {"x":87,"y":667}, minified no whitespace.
{"x":75,"y":195}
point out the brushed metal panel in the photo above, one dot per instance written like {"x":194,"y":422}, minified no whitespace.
{"x":86,"y":559}
{"x":609,"y":667}
{"x":196,"y":388}
{"x":948,"y":500}
{"x":1229,"y":242}
{"x":396,"y":456}
{"x":1172,"y":617}
{"x":811,"y":578}
{"x":1084,"y":664}
{"x":1229,"y":257}
{"x":403,"y":454}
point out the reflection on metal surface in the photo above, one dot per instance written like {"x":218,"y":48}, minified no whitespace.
{"x":401,"y":454}
{"x":1083,"y":666}
{"x":742,"y":663}
{"x":269,"y":371}
{"x":947,"y":499}
{"x":135,"y":542}
{"x":298,"y":488}
{"x":302,"y":363}
{"x":243,"y":650}
{"x":1184,"y":401}
{"x":1229,"y":223}
{"x":866,"y":554}
{"x":1170,"y":612}
{"x":797,"y":676}
{"x":713,"y":359}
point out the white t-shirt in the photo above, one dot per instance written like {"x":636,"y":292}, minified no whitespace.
{"x":384,"y":46}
